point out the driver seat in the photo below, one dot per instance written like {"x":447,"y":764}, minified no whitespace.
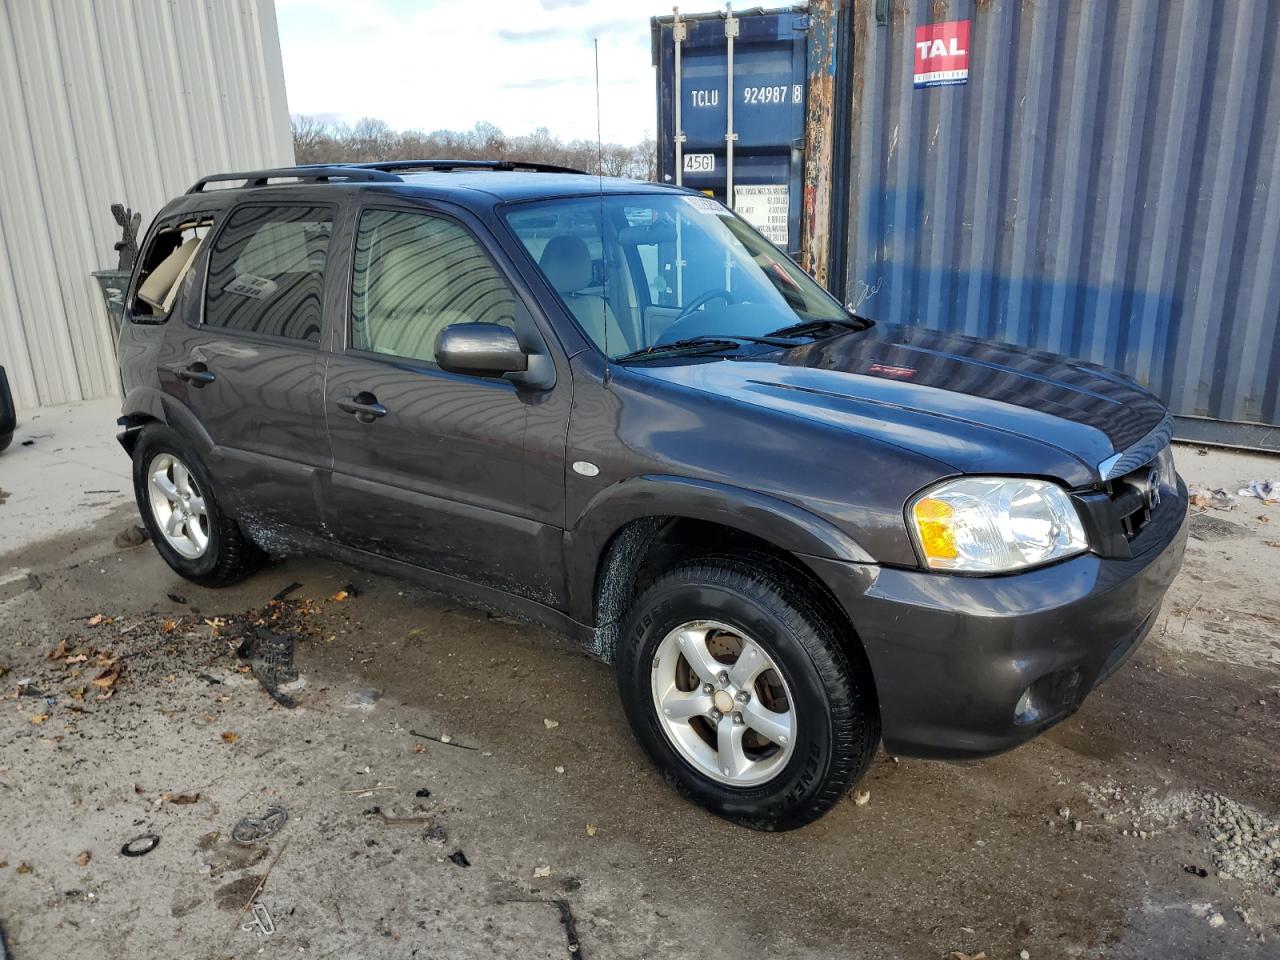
{"x":566,"y":262}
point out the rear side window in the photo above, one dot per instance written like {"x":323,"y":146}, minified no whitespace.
{"x":266,"y":272}
{"x":416,"y":274}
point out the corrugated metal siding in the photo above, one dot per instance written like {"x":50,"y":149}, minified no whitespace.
{"x":1107,"y":185}
{"x":106,"y":101}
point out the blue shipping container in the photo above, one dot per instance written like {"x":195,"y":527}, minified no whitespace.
{"x":731,"y":112}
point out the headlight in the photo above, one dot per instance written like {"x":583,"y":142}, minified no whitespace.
{"x":994,"y":524}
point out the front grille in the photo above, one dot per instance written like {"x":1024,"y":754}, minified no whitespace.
{"x":1139,"y":494}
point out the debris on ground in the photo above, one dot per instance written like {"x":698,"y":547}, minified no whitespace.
{"x":1242,"y":843}
{"x":260,"y":921}
{"x":592,"y":829}
{"x":1216,"y":497}
{"x":140,"y":846}
{"x":83,"y":858}
{"x":444,"y":738}
{"x":460,"y":858}
{"x":550,"y":724}
{"x":249,"y":829}
{"x":961,"y":955}
{"x":270,"y":658}
{"x":1206,"y":526}
{"x":133,"y":535}
{"x":862,"y":797}
{"x":279,"y":597}
{"x":230,"y":736}
{"x":1268,"y":491}
{"x":1216,"y":919}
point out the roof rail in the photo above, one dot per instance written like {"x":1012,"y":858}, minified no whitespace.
{"x":389,"y":166}
{"x":314,"y":173}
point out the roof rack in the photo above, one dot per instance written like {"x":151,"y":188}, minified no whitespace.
{"x":389,"y":166}
{"x":313,"y":173}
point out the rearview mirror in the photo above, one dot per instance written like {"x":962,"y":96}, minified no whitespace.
{"x":480,"y":349}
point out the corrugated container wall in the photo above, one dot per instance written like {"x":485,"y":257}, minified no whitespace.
{"x":105,"y":101}
{"x":1106,"y":185}
{"x":745,"y":145}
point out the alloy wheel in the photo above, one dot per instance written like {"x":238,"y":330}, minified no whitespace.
{"x":178,"y":506}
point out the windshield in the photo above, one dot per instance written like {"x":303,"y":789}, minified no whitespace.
{"x":650,"y":269}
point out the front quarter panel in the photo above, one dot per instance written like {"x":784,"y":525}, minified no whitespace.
{"x":634,"y":427}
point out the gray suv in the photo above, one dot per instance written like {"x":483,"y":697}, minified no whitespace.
{"x":615,"y":409}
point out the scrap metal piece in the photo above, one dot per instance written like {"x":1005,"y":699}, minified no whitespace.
{"x":261,"y":921}
{"x":251,"y":830}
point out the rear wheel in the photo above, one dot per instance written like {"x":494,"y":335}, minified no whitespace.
{"x":739,"y":687}
{"x":181,"y":511}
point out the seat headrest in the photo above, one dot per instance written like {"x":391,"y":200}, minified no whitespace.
{"x":567,"y":263}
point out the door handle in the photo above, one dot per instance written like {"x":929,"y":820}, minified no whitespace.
{"x":364,"y":405}
{"x":196,"y":374}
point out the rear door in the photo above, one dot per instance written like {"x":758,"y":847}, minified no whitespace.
{"x":246,"y":359}
{"x":459,"y":474}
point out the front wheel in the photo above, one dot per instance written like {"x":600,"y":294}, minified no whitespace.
{"x":182,"y":514}
{"x":739,"y":687}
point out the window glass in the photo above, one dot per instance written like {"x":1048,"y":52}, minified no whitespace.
{"x":266,"y":272}
{"x":645,"y":270}
{"x":416,"y":274}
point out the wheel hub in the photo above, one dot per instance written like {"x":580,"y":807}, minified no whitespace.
{"x":723,"y":703}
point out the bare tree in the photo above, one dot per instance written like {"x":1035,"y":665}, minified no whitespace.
{"x":369,"y":139}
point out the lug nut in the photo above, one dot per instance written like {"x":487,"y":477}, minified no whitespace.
{"x":744,"y":696}
{"x":723,"y":678}
{"x":737,"y":717}
{"x":707,"y":688}
{"x":716,"y":715}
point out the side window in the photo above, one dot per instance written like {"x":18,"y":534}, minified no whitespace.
{"x":266,"y":272}
{"x":165,"y":264}
{"x":414,"y":275}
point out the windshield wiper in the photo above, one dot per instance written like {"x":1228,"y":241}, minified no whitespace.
{"x":708,"y":343}
{"x":806,"y":327}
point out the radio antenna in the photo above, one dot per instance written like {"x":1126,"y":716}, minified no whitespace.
{"x":604,"y":243}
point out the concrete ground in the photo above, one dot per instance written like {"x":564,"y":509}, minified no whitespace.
{"x":1144,"y":826}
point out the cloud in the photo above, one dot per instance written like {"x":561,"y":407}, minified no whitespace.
{"x":432,"y":64}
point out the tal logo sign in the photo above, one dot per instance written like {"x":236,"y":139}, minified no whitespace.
{"x":942,"y":54}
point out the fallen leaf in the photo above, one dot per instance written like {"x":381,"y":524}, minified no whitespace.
{"x":230,"y":737}
{"x":340,"y":596}
{"x":107,"y":678}
{"x":1273,"y":543}
{"x":180,"y":799}
{"x":24,"y":867}
{"x":551,"y":724}
{"x":104,"y":658}
{"x":78,"y":658}
{"x":862,"y":797}
{"x":169,"y":625}
{"x":543,"y":871}
{"x":419,"y":748}
{"x":98,"y":619}
{"x":78,"y":693}
{"x":60,"y":651}
{"x":39,"y":718}
{"x":592,"y":829}
{"x":83,"y":858}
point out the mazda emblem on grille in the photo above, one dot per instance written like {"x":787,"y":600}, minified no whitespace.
{"x":1153,"y":488}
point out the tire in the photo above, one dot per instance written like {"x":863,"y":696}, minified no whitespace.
{"x":829,"y":696}
{"x":227,"y":555}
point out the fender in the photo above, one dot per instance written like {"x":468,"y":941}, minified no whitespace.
{"x":785,"y":525}
{"x":144,"y":404}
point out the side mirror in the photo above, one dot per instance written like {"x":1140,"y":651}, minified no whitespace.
{"x":480,"y":349}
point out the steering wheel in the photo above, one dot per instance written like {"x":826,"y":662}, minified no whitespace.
{"x":701,"y":300}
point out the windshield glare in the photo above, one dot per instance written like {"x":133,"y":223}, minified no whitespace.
{"x":649,"y":269}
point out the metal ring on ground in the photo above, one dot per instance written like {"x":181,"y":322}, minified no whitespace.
{"x":140,"y":846}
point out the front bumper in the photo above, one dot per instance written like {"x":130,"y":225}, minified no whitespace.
{"x":973,"y":666}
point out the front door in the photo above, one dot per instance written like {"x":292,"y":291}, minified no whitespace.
{"x":245,"y":361}
{"x":436,"y":468}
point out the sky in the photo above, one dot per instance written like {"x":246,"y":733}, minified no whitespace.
{"x":432,"y":64}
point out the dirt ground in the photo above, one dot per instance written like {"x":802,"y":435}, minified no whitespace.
{"x":1144,"y":826}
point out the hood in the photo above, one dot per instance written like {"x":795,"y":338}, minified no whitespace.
{"x":975,"y":405}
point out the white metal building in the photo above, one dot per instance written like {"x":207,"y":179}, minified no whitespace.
{"x":106,"y":101}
